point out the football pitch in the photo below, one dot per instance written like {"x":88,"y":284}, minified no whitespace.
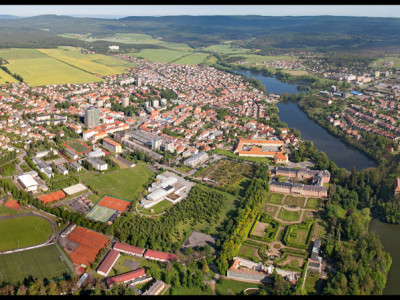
{"x":23,"y":231}
{"x":48,"y":262}
{"x":101,"y":213}
{"x":77,"y":146}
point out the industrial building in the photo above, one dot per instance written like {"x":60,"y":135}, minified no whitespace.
{"x":27,"y":182}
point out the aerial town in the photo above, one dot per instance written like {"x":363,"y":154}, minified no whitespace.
{"x":155,"y":168}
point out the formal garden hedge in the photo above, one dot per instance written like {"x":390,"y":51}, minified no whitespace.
{"x":271,"y":232}
{"x":309,"y":225}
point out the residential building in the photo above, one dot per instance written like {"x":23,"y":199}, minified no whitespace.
{"x":98,"y":164}
{"x":196,"y":159}
{"x":112,"y":145}
{"x":92,"y":117}
{"x":108,"y":262}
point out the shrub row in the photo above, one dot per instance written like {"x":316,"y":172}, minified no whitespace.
{"x":309,"y":225}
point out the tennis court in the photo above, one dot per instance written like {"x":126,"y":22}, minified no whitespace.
{"x":114,"y":203}
{"x":101,"y":213}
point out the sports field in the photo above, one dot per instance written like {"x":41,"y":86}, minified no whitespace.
{"x":123,"y":183}
{"x":77,"y":146}
{"x":24,"y":231}
{"x":47,"y":262}
{"x":101,"y":213}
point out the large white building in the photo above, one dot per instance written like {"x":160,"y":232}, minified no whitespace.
{"x":27,"y":182}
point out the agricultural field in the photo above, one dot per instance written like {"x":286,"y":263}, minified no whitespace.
{"x":5,"y":77}
{"x":276,"y":198}
{"x":386,"y":62}
{"x":289,"y":216}
{"x":62,"y":65}
{"x":92,"y":63}
{"x":130,"y":38}
{"x":37,"y":68}
{"x":226,"y":49}
{"x":191,"y":59}
{"x":123,"y":183}
{"x":23,"y":231}
{"x":47,"y":262}
{"x":160,"y":55}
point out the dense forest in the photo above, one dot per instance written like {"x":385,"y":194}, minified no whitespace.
{"x":320,"y":33}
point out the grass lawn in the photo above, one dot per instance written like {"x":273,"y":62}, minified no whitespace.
{"x":5,"y":211}
{"x":193,"y":291}
{"x":123,"y":183}
{"x":226,"y":49}
{"x":183,"y":169}
{"x":275,"y":199}
{"x":311,"y":282}
{"x":43,"y":263}
{"x":299,"y":236}
{"x":309,"y":212}
{"x":270,"y":209}
{"x":28,"y":230}
{"x":339,"y":211}
{"x":158,"y":208}
{"x":292,"y":200}
{"x":233,"y":287}
{"x":313,"y":203}
{"x":288,"y":216}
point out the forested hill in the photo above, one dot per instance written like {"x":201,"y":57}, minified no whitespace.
{"x":319,"y":32}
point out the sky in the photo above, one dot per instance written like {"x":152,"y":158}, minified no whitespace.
{"x":119,"y":11}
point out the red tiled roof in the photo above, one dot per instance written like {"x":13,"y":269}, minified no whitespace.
{"x":160,"y":255}
{"x":126,"y":277}
{"x":108,"y":261}
{"x":128,"y":248}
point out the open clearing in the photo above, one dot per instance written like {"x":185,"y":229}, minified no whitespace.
{"x":24,"y":231}
{"x":275,"y":199}
{"x":260,"y":229}
{"x":47,"y":262}
{"x":123,"y":183}
{"x":289,"y":216}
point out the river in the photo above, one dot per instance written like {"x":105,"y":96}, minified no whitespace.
{"x":344,"y":156}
